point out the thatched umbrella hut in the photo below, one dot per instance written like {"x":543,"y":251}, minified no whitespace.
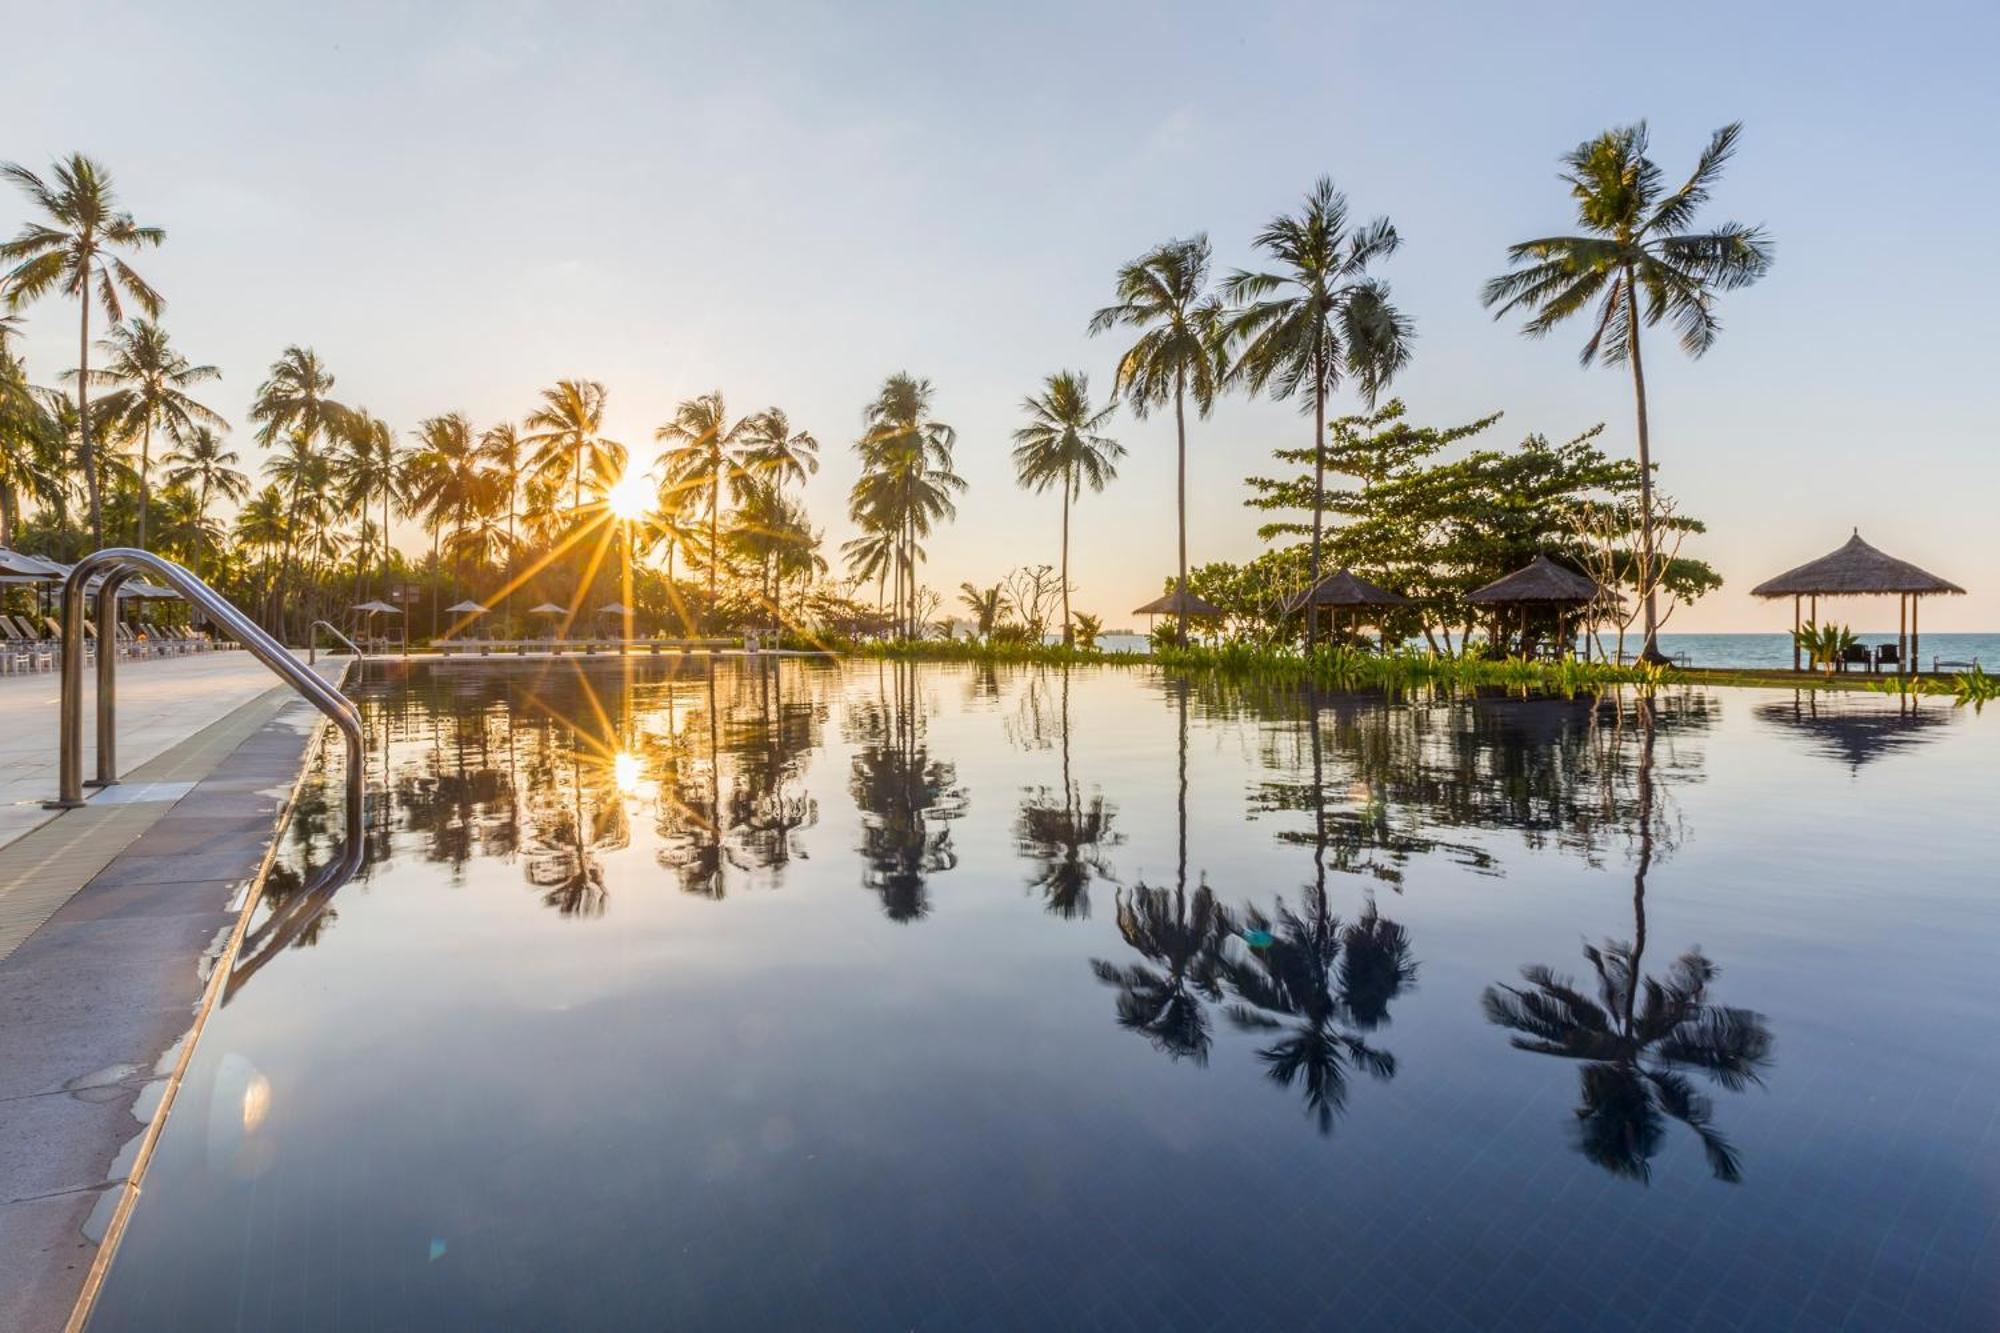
{"x":1344,"y":590}
{"x":1178,"y":602}
{"x":1543,"y":585}
{"x":1859,"y":570}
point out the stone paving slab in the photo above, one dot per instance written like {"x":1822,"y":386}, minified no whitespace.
{"x":115,"y":912}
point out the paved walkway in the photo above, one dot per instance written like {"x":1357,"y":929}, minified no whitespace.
{"x":109,"y":919}
{"x":161,"y":702}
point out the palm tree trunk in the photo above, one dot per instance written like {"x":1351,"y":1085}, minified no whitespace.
{"x":84,"y":448}
{"x":1651,"y":651}
{"x":1180,"y":503}
{"x":145,"y":477}
{"x":1319,"y":501}
{"x":1069,"y":480}
{"x":714,"y":532}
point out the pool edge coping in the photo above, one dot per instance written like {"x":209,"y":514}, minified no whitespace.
{"x":219,"y":967}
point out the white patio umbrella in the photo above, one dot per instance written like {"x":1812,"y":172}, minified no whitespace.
{"x":468,"y":607}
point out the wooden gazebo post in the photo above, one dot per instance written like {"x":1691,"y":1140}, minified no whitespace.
{"x":1795,"y":632}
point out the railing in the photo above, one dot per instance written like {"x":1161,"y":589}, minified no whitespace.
{"x":119,"y":563}
{"x":312,"y":641}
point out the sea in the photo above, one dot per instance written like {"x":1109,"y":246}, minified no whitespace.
{"x":1946,"y":652}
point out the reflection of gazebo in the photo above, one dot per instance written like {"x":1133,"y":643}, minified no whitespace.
{"x":1179,"y":602}
{"x":1542,"y":584}
{"x":1855,"y":729}
{"x":1344,"y":590}
{"x":1859,"y":570}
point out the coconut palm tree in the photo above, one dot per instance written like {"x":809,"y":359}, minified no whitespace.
{"x":294,"y":403}
{"x":150,"y":382}
{"x":203,"y":462}
{"x":706,"y":452}
{"x":70,"y":250}
{"x":565,"y":439}
{"x":773,"y":451}
{"x":1640,"y":242}
{"x":987,"y":605}
{"x":502,"y":448}
{"x":447,"y":485}
{"x":370,"y":468}
{"x":264,"y":523}
{"x":907,"y":483}
{"x":30,"y":447}
{"x":1318,"y":318}
{"x":1061,"y":445}
{"x":1179,"y":355}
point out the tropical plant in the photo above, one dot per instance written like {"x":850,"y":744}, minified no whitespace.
{"x":203,"y":462}
{"x":1084,"y":631}
{"x":987,"y":605}
{"x":1826,"y":645}
{"x":70,"y":249}
{"x":1060,"y":445}
{"x":150,"y":382}
{"x":565,"y":439}
{"x":369,"y":467}
{"x":1640,"y":241}
{"x":906,"y":486}
{"x":31,"y":464}
{"x":294,"y":404}
{"x":1319,"y":318}
{"x":1180,"y":354}
{"x":502,"y":450}
{"x":706,"y":452}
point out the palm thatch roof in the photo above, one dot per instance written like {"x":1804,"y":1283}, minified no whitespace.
{"x":1346,"y":588}
{"x":1543,"y":581}
{"x":1856,"y":569}
{"x":1176,"y":602}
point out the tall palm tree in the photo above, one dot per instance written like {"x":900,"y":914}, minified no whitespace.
{"x":1179,"y":355}
{"x":565,"y":438}
{"x":370,"y":468}
{"x":502,"y":448}
{"x":706,"y":451}
{"x":1061,"y":444}
{"x":70,"y":249}
{"x":447,"y":485}
{"x":203,"y":461}
{"x":150,"y":382}
{"x":1320,"y":317}
{"x":294,"y":403}
{"x":1640,"y":241}
{"x":773,"y":451}
{"x":263,"y":523}
{"x":907,"y":483}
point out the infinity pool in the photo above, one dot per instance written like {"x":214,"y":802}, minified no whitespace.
{"x":799,"y":994}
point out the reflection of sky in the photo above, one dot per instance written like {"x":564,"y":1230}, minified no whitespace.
{"x":784,"y":1102}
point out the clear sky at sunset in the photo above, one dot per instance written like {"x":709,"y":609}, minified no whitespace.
{"x":458,"y":204}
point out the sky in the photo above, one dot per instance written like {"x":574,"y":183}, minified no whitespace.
{"x":458,"y":204}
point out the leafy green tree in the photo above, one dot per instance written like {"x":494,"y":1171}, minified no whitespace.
{"x":149,"y":381}
{"x":70,"y":249}
{"x":1318,"y":318}
{"x":1060,"y":445}
{"x":203,"y":463}
{"x":1640,"y":242}
{"x":1180,"y":354}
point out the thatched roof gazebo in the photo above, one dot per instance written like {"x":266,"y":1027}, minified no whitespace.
{"x":1179,"y":602}
{"x":1542,"y":584}
{"x":1859,"y":570}
{"x":1344,"y":590}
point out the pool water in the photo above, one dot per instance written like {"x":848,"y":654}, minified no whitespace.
{"x":808,"y":994}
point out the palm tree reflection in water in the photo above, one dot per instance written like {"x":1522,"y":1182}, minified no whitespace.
{"x":906,"y":798}
{"x":1066,"y":836}
{"x":1640,"y":1033}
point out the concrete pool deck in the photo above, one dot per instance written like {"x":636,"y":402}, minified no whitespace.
{"x":111,"y":919}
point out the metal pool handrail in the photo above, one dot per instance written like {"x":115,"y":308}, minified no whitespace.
{"x":119,"y":563}
{"x":312,"y":641}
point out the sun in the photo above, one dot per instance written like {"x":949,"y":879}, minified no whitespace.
{"x":630,"y":497}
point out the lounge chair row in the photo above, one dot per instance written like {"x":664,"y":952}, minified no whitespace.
{"x":34,"y":643}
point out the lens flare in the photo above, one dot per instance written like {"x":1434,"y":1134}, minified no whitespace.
{"x":630,"y":497}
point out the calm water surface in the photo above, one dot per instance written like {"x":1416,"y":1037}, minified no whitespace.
{"x":811,"y":995}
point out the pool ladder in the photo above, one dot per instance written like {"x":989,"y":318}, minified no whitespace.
{"x":117,"y":564}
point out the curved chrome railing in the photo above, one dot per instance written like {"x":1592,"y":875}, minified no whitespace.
{"x":312,"y":641}
{"x":119,"y":563}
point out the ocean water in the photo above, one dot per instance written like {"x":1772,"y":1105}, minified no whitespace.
{"x":1749,"y":650}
